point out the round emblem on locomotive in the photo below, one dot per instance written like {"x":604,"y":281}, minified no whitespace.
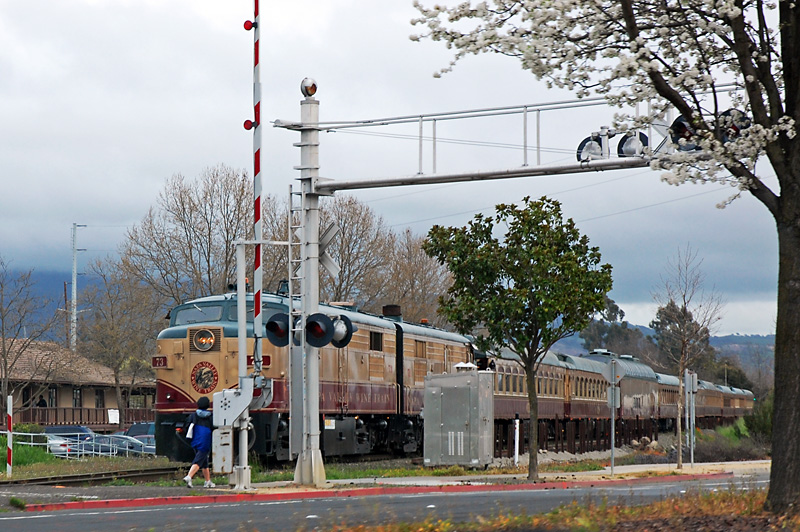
{"x":203,"y":340}
{"x":204,"y":377}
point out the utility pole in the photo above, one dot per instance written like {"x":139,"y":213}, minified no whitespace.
{"x":73,"y":306}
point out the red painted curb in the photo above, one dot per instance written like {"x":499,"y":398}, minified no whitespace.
{"x":354,"y":492}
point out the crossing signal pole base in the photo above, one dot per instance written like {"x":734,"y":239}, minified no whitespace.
{"x":240,"y":478}
{"x":310,"y":470}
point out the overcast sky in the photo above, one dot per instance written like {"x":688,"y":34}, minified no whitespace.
{"x":102,"y":100}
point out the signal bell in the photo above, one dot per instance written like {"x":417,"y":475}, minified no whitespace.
{"x":343,"y":330}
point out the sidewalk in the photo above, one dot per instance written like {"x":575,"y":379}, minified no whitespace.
{"x":41,"y":498}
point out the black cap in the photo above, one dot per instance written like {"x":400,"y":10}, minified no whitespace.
{"x":203,"y":403}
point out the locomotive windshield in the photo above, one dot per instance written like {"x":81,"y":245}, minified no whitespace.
{"x":197,"y":313}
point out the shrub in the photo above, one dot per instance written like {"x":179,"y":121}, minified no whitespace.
{"x":760,"y":421}
{"x":33,"y":433}
{"x":28,"y":454}
{"x":721,"y":449}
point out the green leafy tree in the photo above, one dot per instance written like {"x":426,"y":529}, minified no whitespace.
{"x":536,"y":283}
{"x":684,"y":56}
{"x":678,"y":335}
{"x":729,"y":371}
{"x":595,"y":335}
{"x":608,"y":331}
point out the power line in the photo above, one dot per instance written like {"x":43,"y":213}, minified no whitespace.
{"x":474,"y":211}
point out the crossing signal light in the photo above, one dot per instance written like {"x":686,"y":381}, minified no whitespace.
{"x":278,"y":329}
{"x":319,"y":330}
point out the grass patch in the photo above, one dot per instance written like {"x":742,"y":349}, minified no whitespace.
{"x":17,"y":503}
{"x":120,"y":482}
{"x":57,"y":467}
{"x":575,"y":467}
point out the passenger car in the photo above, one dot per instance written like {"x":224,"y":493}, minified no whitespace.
{"x":72,"y":432}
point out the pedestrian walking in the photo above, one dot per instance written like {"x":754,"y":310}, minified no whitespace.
{"x":200,"y":429}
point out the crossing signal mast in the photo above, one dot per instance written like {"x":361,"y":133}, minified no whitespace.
{"x":317,"y":329}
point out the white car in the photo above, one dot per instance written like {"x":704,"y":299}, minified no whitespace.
{"x":62,"y":447}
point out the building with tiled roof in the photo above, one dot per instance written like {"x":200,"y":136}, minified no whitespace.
{"x":74,"y":389}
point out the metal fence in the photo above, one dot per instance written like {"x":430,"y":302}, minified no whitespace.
{"x":91,"y":417}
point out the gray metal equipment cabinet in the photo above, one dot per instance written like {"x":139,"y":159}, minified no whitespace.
{"x":459,"y":418}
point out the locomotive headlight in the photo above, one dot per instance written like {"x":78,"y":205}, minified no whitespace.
{"x":203,"y":340}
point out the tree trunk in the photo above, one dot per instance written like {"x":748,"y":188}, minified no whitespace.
{"x":784,"y":489}
{"x":679,"y":432}
{"x":533,"y":428}
{"x":120,"y":406}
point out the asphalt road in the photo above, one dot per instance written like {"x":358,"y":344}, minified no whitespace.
{"x":301,"y":514}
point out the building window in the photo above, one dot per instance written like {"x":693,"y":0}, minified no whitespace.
{"x":136,"y":401}
{"x":375,"y":341}
{"x":99,"y":399}
{"x":77,"y":399}
{"x":52,"y":399}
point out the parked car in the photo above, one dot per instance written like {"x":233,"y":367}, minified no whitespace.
{"x":139,"y":429}
{"x":125,"y":445}
{"x":148,"y":439}
{"x":73,"y":432}
{"x":61,"y":446}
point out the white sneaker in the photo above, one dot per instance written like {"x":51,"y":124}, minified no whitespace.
{"x":209,"y":484}
{"x":188,"y":481}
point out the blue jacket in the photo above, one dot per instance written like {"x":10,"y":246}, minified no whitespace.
{"x":201,"y":434}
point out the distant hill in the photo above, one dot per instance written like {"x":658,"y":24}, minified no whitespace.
{"x":749,"y":349}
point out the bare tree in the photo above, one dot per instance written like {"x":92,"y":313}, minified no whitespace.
{"x":686,"y":317}
{"x":27,"y":349}
{"x":416,"y":280}
{"x":121,"y":325}
{"x":363,"y":249}
{"x":275,"y":226}
{"x":183,"y":247}
{"x":761,"y":370}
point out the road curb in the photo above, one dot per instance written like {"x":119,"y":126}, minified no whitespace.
{"x":357,"y":492}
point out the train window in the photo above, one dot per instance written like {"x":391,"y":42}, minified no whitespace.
{"x":196,"y":313}
{"x":420,"y":350}
{"x":375,"y":341}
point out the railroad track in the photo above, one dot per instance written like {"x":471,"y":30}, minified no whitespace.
{"x":90,"y":479}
